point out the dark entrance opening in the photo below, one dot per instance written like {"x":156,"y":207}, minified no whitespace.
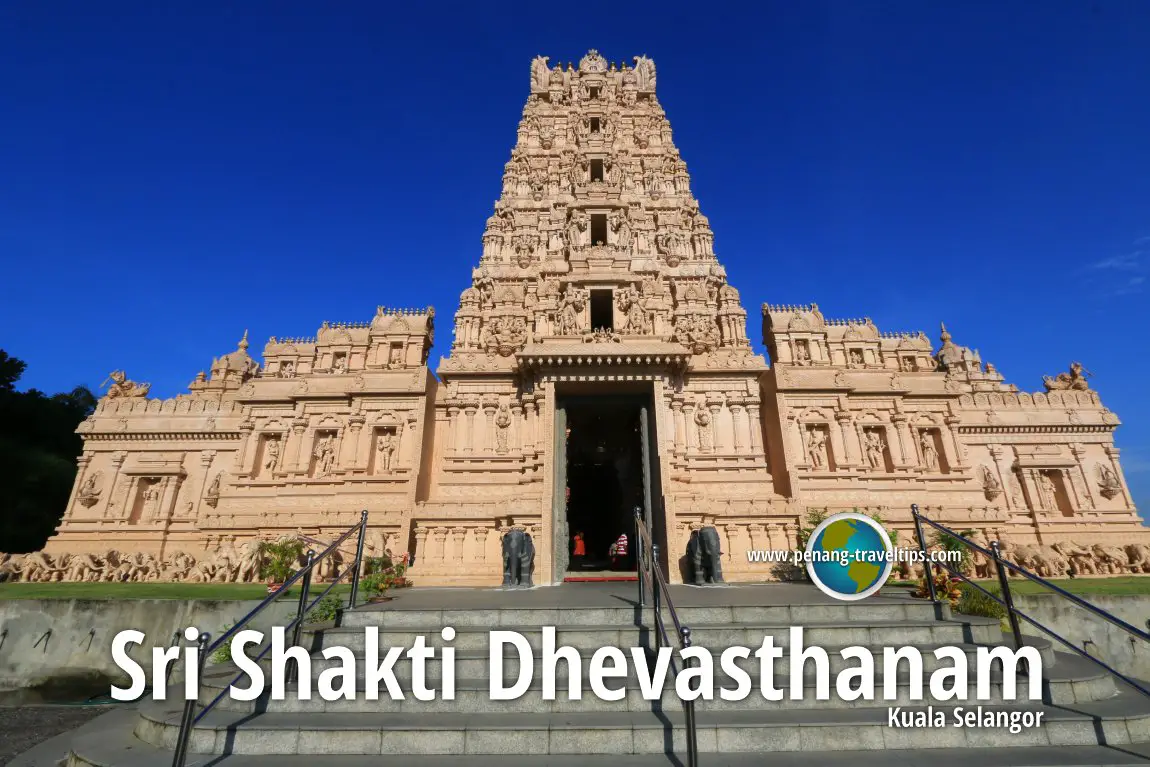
{"x":604,"y":482}
{"x":602,"y":310}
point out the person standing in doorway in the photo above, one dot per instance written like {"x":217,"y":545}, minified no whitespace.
{"x":618,"y":552}
{"x":578,"y":552}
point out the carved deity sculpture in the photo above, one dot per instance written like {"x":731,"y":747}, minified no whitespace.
{"x":569,"y":321}
{"x":577,"y":228}
{"x":802,"y":352}
{"x":123,"y":387}
{"x":287,"y":370}
{"x":271,"y":454}
{"x":645,"y":73}
{"x":90,"y":491}
{"x":990,"y":484}
{"x":703,"y":421}
{"x":699,"y":332}
{"x":816,"y":447}
{"x":324,"y":455}
{"x":212,"y":496}
{"x":152,"y":496}
{"x":1074,"y":380}
{"x":396,"y":358}
{"x":340,"y":365}
{"x":621,"y":228}
{"x":929,"y":453}
{"x":635,"y":320}
{"x":855,"y":358}
{"x":540,"y":74}
{"x":874,"y":449}
{"x":1046,"y":490}
{"x":385,"y":449}
{"x":1108,"y":484}
{"x":502,"y":427}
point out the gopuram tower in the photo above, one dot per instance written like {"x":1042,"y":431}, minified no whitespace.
{"x":600,"y":363}
{"x":598,"y":276}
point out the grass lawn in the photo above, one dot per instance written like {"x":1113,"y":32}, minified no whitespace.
{"x":151,"y":591}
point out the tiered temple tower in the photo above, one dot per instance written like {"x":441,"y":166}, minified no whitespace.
{"x":597,"y":276}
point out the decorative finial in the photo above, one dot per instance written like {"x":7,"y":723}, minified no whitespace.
{"x":944,"y":336}
{"x":243,"y":345}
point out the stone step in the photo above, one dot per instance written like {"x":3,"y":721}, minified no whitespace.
{"x":868,"y":631}
{"x":1073,"y":681}
{"x":521,"y":617}
{"x":476,"y":665}
{"x":115,"y":749}
{"x":1121,"y":720}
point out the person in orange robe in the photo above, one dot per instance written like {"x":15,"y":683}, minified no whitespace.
{"x":579,"y":553}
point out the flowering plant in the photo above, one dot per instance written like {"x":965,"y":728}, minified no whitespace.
{"x":384,"y":573}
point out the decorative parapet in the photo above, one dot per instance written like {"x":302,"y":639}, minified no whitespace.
{"x":174,"y":406}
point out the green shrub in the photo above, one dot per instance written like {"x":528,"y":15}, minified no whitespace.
{"x":224,"y":653}
{"x":974,"y":602}
{"x":281,"y":559}
{"x":325,"y":611}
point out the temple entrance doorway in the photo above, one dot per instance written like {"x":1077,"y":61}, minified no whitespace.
{"x":605,"y":473}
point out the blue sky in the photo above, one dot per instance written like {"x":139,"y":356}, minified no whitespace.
{"x":173,"y":173}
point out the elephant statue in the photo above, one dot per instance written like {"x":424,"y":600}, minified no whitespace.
{"x":1111,"y":559}
{"x":1081,"y":559}
{"x":704,"y":557}
{"x":1139,"y":554}
{"x":518,"y":558}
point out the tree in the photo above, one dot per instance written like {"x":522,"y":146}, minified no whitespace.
{"x":38,"y":449}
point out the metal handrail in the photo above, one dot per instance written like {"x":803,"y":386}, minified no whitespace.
{"x":189,"y":718}
{"x":647,"y":564}
{"x":1007,"y":599}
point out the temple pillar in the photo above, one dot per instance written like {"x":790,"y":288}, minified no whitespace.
{"x":350,"y":448}
{"x":680,"y":435}
{"x":836,"y":448}
{"x":242,"y":462}
{"x":755,"y":425}
{"x":740,"y":439}
{"x":1002,"y":470}
{"x":469,"y":427}
{"x":951,"y":423}
{"x":529,"y":441}
{"x":454,"y":429}
{"x":1088,"y":489}
{"x":515,"y":435}
{"x":905,"y":440}
{"x":298,"y":462}
{"x":720,"y":434}
{"x":795,"y":434}
{"x":692,"y":430}
{"x":895,"y":445}
{"x":81,"y":469}
{"x":852,"y":453}
{"x":206,"y":458}
{"x":489,"y":409}
{"x":113,"y":486}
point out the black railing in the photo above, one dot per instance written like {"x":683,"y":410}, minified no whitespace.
{"x":651,"y":581}
{"x":1003,"y":567}
{"x":302,"y":576}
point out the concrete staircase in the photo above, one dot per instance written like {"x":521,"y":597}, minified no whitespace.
{"x":1088,"y":719}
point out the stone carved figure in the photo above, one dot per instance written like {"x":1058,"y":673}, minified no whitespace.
{"x":90,"y":491}
{"x":1074,"y":380}
{"x":703,"y":421}
{"x":569,"y":321}
{"x":855,"y":358}
{"x":1046,"y":490}
{"x":324,"y":454}
{"x":504,"y":335}
{"x":1111,"y":559}
{"x":122,"y":386}
{"x":1108,"y":484}
{"x":644,"y":73}
{"x":816,"y":447}
{"x":340,"y":365}
{"x":540,"y":74}
{"x":1139,"y":554}
{"x":699,"y":332}
{"x":272,"y":454}
{"x":635,"y":320}
{"x":704,"y":557}
{"x":802,"y":352}
{"x":212,"y":496}
{"x":1081,"y":559}
{"x":518,"y":558}
{"x":621,"y":228}
{"x":1016,"y":495}
{"x":385,"y":449}
{"x":990,"y":484}
{"x":875,"y":445}
{"x":578,"y":229}
{"x":502,"y":428}
{"x":929,"y":453}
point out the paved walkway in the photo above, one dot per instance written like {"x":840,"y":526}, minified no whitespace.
{"x":617,"y":595}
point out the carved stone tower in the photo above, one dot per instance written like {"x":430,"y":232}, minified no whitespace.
{"x":598,"y":268}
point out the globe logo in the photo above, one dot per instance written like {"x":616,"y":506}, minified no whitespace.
{"x":849,"y":556}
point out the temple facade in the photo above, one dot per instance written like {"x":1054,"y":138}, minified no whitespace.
{"x":597,"y":280}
